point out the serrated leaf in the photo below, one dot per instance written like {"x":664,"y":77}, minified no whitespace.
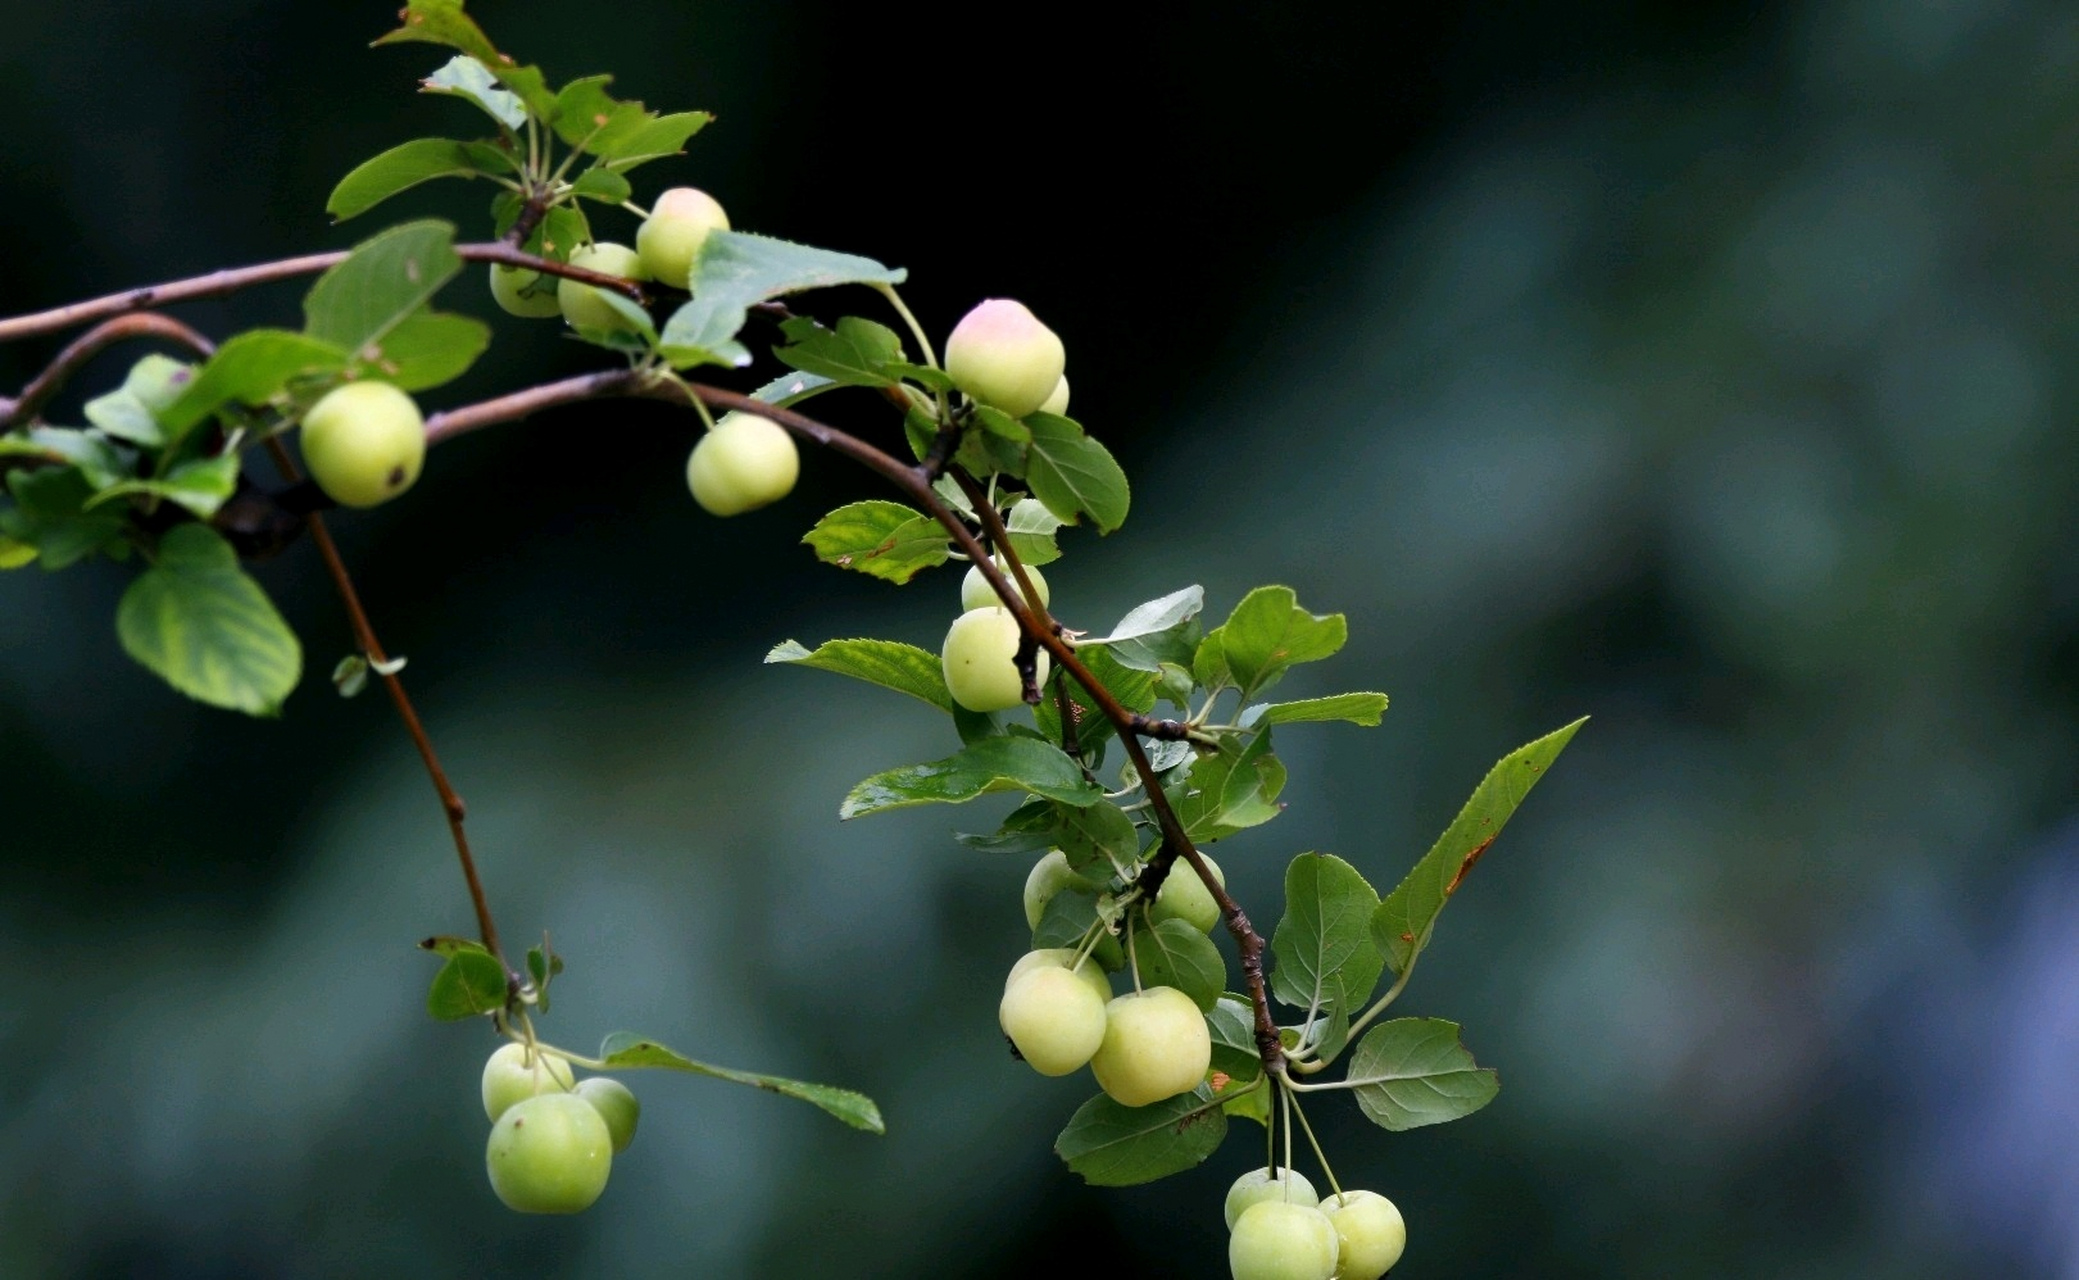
{"x":1268,"y":632}
{"x":464,"y":77}
{"x":792,"y":388}
{"x":856,"y":353}
{"x":207,"y":629}
{"x":1357,"y":708}
{"x":902,"y":667}
{"x":1323,"y":945}
{"x":622,"y":134}
{"x":426,"y":349}
{"x":200,"y":485}
{"x":624,"y":1050}
{"x":603,"y":185}
{"x":884,"y":539}
{"x":1402,"y":922}
{"x":470,"y":984}
{"x":1232,"y":1022}
{"x":443,"y":22}
{"x":1175,"y":954}
{"x":1160,"y":614}
{"x":1032,"y":528}
{"x":1411,"y":1072}
{"x":1098,"y":835}
{"x":736,"y":270}
{"x":651,"y":139}
{"x":1001,"y":425}
{"x":994,"y":764}
{"x":250,"y":369}
{"x":1230,"y":791}
{"x":1075,"y":475}
{"x":1112,"y":1145}
{"x":400,"y":168}
{"x":383,"y":282}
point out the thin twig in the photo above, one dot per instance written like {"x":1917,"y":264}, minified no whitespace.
{"x":84,"y":348}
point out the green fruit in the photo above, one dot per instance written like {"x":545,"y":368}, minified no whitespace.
{"x":521,"y":292}
{"x":584,"y":305}
{"x":1259,"y":1185}
{"x":1058,"y":402}
{"x":1054,"y":1017}
{"x":1369,"y":1232}
{"x":1156,"y":1046}
{"x":549,"y":1154}
{"x":976,"y":593}
{"x":980,"y":661}
{"x":1061,"y":958}
{"x":1049,"y":876}
{"x":746,"y":462}
{"x":364,"y":443}
{"x":1004,"y":357}
{"x":1183,"y":896}
{"x":669,"y":240}
{"x":616,"y":1104}
{"x":1278,"y":1241}
{"x":509,"y":1077}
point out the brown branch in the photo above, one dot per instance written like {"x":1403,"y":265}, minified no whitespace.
{"x":92,"y":343}
{"x":218,"y":283}
{"x":364,"y":635}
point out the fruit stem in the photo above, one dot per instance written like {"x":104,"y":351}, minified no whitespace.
{"x":1326,"y":1171}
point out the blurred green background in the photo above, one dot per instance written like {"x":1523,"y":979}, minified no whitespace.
{"x":1705,"y":368}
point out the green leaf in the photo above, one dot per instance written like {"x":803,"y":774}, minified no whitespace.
{"x":902,"y":667}
{"x":1410,"y":1072}
{"x":201,"y":485}
{"x":857,"y":353}
{"x":1075,"y":475}
{"x":100,"y":462}
{"x":250,"y":369}
{"x":1402,"y":923}
{"x":1357,"y":708}
{"x":1032,"y":528}
{"x":1324,"y":949}
{"x":209,"y":630}
{"x":1230,"y":791}
{"x":1245,"y":1101}
{"x":1067,"y":916}
{"x":1002,"y":425}
{"x":624,"y":1050}
{"x":736,"y":270}
{"x":470,"y":984}
{"x":1232,"y":1021}
{"x":15,"y":554}
{"x":603,"y":185}
{"x":382,"y":284}
{"x":1161,"y":614}
{"x":443,"y":22}
{"x":466,"y":78}
{"x":400,"y":168}
{"x":51,"y":516}
{"x":885,"y":539}
{"x":1268,"y":632}
{"x":792,"y":388}
{"x":1175,"y":954}
{"x":1029,"y":828}
{"x":621,"y":134}
{"x":994,"y":764}
{"x":1098,"y":835}
{"x":426,"y":349}
{"x":1112,"y":1145}
{"x":652,"y":138}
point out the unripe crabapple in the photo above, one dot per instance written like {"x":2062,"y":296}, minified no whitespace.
{"x":509,"y":1077}
{"x":980,"y":661}
{"x":745,"y":463}
{"x":1183,"y":896}
{"x":616,"y":1104}
{"x":364,"y":443}
{"x":1274,"y":1240}
{"x":976,"y":593}
{"x":549,"y":1154}
{"x":1004,"y":357}
{"x":1062,"y":958}
{"x":669,"y":240}
{"x":521,"y":292}
{"x":1058,"y":402}
{"x":583,"y":305}
{"x":1054,"y":1017}
{"x":1369,"y":1232}
{"x":1049,"y":876}
{"x":1156,"y":1046}
{"x":1259,"y":1185}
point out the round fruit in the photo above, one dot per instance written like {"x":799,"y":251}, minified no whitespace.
{"x":669,"y":239}
{"x":1369,"y":1232}
{"x":364,"y":443}
{"x":1061,"y":958}
{"x":1054,"y":1017}
{"x":1259,"y":1185}
{"x":583,"y":305}
{"x":521,"y":292}
{"x":509,"y":1077}
{"x":616,"y":1105}
{"x":1004,"y":357}
{"x":745,"y":463}
{"x":1183,"y":896}
{"x":1058,"y":402}
{"x":1156,"y":1046}
{"x":549,"y":1154}
{"x":976,"y":593}
{"x":980,"y":661}
{"x":1049,"y":876}
{"x":1278,"y":1241}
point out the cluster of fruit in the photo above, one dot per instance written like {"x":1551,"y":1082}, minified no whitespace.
{"x":553,"y":1137}
{"x":1280,"y":1230}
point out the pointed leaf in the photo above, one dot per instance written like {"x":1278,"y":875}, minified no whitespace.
{"x":1323,"y":945}
{"x":1159,"y":614}
{"x":427,"y":349}
{"x":885,"y":539}
{"x":1268,"y":632}
{"x":250,"y":369}
{"x":400,"y":168}
{"x":1112,"y":1145}
{"x":443,"y":22}
{"x":51,"y":516}
{"x":994,"y":764}
{"x":209,"y":630}
{"x":200,"y":485}
{"x":1032,"y":528}
{"x":1175,"y":954}
{"x":1075,"y":475}
{"x":625,"y":1050}
{"x":856,"y":353}
{"x":736,"y":270}
{"x":1097,"y":836}
{"x":1230,"y":791}
{"x":382,"y":283}
{"x":1411,"y":1072}
{"x":470,"y":984}
{"x":1357,"y":708}
{"x":902,"y":667}
{"x":1232,"y":1021}
{"x":466,"y":78}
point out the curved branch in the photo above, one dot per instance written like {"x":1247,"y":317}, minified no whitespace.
{"x":218,"y":283}
{"x":88,"y":345}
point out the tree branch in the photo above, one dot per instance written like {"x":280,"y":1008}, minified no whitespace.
{"x":93,"y":342}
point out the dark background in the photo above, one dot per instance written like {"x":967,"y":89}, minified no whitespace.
{"x":1702,"y":367}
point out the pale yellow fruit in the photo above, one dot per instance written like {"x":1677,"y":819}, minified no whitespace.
{"x":1058,"y":402}
{"x":1054,"y":1017}
{"x":1156,"y":1046}
{"x":1004,"y":357}
{"x":746,"y":462}
{"x":509,"y":1077}
{"x":584,"y":305}
{"x":1369,"y":1232}
{"x":976,"y":593}
{"x":364,"y":443}
{"x":1061,"y":958}
{"x":670,"y":239}
{"x":1274,"y":1240}
{"x":979,"y":659}
{"x":521,"y":292}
